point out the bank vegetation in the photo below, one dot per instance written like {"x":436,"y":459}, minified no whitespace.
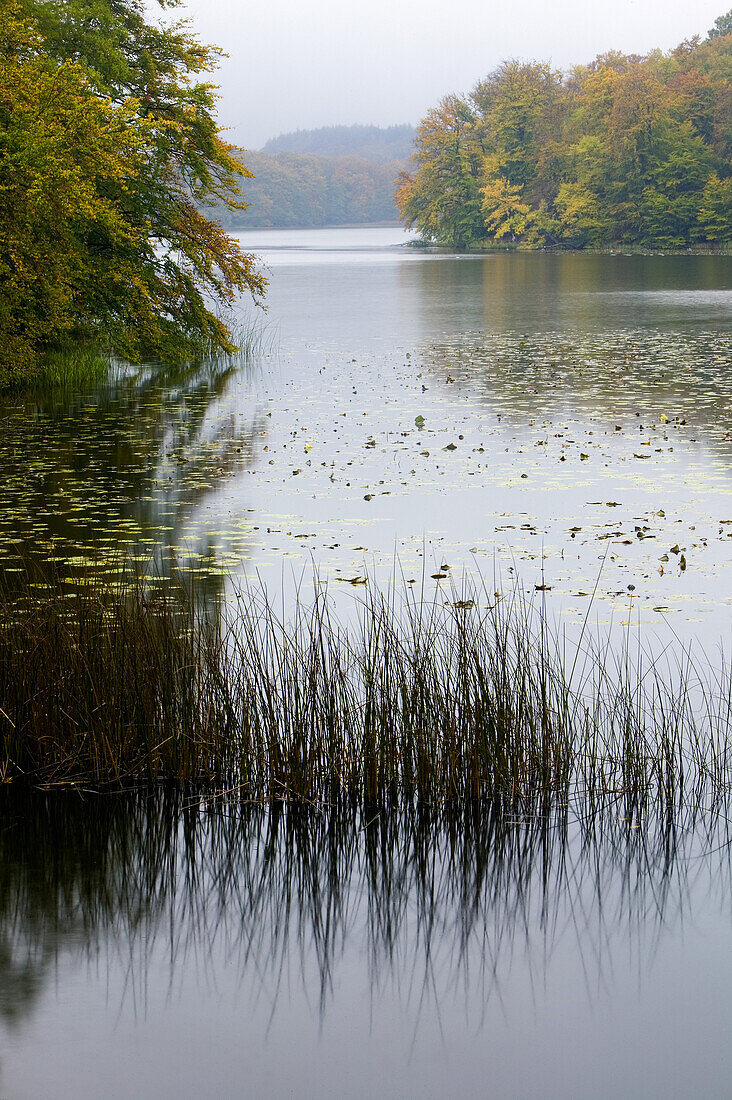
{"x":405,"y":700}
{"x":631,"y":151}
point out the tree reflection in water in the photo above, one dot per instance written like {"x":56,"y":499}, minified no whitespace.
{"x":124,"y":468}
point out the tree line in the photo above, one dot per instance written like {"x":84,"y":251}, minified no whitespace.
{"x":110,"y":155}
{"x":305,"y":190}
{"x":628,"y":150}
{"x":383,"y":143}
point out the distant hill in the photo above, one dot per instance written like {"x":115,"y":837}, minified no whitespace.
{"x":298,"y":190}
{"x":370,"y":142}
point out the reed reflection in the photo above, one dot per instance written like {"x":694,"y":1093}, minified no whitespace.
{"x":438,"y":903}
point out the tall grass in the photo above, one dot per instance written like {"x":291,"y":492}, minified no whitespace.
{"x":76,"y":367}
{"x":408,"y":701}
{"x":252,"y":337}
{"x":82,"y":365}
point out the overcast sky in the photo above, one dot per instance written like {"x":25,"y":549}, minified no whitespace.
{"x":305,"y":63}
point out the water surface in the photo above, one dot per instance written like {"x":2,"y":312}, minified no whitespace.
{"x":561,"y":420}
{"x":574,"y":416}
{"x":151,"y":948}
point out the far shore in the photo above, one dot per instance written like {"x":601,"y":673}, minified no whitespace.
{"x":301,"y":228}
{"x":559,"y":250}
{"x":493,"y":247}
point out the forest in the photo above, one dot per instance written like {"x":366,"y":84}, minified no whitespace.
{"x":382,"y":143}
{"x":628,"y":150}
{"x":307,"y":190}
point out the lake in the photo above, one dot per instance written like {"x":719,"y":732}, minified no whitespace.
{"x":574,"y":426}
{"x":560,"y":425}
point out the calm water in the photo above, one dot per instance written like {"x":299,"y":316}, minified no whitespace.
{"x":156,"y":949}
{"x":563,"y":420}
{"x":575,"y":426}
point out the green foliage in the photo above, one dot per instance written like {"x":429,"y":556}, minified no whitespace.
{"x":716,"y":204}
{"x":722,"y":25}
{"x":627,"y":150}
{"x":108,"y":150}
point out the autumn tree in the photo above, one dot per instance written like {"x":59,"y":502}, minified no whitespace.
{"x":626,"y":150}
{"x":442,"y":198}
{"x":109,"y":153}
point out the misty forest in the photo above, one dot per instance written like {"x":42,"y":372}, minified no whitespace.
{"x":365,"y":671}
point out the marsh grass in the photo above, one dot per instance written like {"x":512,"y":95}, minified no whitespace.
{"x":82,"y":365}
{"x":405,"y":701}
{"x":252,"y":338}
{"x":76,"y":368}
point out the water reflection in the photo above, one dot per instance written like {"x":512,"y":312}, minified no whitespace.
{"x":435,"y":903}
{"x":584,"y":336}
{"x":125,"y":470}
{"x":662,"y":377}
{"x":550,"y":293}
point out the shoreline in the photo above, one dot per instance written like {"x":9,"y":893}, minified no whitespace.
{"x":557,"y":250}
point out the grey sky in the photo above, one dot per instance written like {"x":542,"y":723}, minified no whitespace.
{"x":317,"y":63}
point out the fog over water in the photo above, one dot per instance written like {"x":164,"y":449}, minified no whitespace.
{"x":294,"y":65}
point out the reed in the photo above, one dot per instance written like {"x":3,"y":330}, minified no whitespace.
{"x":76,"y":367}
{"x":407,"y":701}
{"x":81,"y":365}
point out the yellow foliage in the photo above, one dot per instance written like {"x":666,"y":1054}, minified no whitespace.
{"x":503,"y":209}
{"x":101,"y":229}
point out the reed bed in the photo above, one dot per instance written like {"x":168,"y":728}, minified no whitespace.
{"x":72,"y":368}
{"x":404,"y":701}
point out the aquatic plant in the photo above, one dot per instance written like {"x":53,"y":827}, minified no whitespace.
{"x":76,"y":367}
{"x":406,"y":701}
